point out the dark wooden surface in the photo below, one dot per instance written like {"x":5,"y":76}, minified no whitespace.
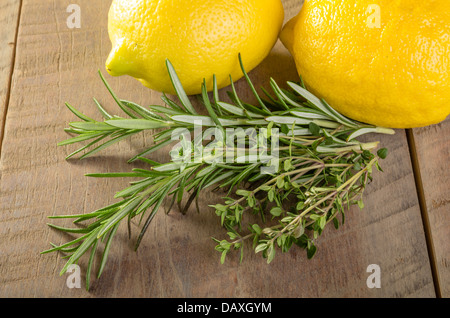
{"x":404,"y":227}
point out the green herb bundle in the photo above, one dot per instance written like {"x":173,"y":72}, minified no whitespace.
{"x":320,"y":168}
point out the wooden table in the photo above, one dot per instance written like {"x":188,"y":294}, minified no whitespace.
{"x":404,"y":227}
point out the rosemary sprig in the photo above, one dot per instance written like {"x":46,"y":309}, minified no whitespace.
{"x":319,"y":170}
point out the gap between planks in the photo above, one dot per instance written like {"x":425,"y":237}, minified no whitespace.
{"x":423,"y":211}
{"x":11,"y":72}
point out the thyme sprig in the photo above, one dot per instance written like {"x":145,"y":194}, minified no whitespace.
{"x":321,"y":168}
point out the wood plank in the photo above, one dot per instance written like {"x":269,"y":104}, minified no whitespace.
{"x":432,"y":152}
{"x":176,"y":257}
{"x":9,"y":13}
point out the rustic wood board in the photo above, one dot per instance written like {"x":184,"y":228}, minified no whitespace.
{"x":432,"y":152}
{"x":9,"y":12}
{"x":55,"y":64}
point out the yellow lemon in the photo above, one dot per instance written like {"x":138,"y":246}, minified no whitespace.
{"x":201,"y":38}
{"x":382,"y":62}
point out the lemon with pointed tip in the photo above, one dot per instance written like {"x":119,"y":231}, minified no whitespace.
{"x":201,"y":38}
{"x":382,"y":62}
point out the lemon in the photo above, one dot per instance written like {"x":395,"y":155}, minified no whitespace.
{"x":382,"y":62}
{"x":201,"y":38}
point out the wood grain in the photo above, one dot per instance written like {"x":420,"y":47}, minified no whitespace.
{"x":432,"y":151}
{"x":55,"y":64}
{"x":9,"y":13}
